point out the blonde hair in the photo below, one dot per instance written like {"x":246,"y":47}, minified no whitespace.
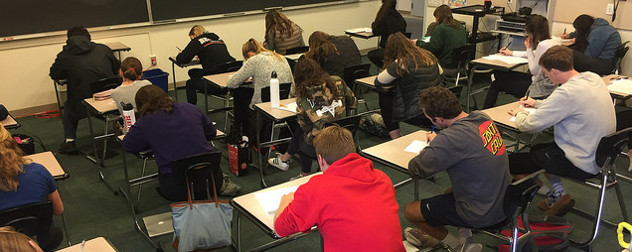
{"x":252,"y":45}
{"x":334,"y":143}
{"x":12,"y":163}
{"x":197,"y":30}
{"x":11,"y":240}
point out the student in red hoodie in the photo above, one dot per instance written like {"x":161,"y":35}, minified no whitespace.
{"x":352,"y":204}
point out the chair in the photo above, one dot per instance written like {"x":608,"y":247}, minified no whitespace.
{"x":197,"y":169}
{"x":618,"y":57}
{"x":105,"y":84}
{"x":352,"y":123}
{"x":351,"y":73}
{"x":284,"y":92}
{"x":224,"y":68}
{"x":460,"y":57}
{"x":298,"y":49}
{"x":33,"y":220}
{"x":609,"y":147}
{"x":96,"y":87}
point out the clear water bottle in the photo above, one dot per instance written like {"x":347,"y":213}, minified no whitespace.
{"x":274,"y":90}
{"x":129,"y":118}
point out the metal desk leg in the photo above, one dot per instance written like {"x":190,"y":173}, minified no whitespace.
{"x":470,"y":78}
{"x":263,"y":182}
{"x":238,"y":241}
{"x":175,"y":89}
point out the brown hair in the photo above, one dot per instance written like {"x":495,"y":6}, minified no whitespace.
{"x":132,"y":68}
{"x":387,"y":5}
{"x":558,"y":57}
{"x":319,"y":46}
{"x":400,"y":49}
{"x":197,"y":30}
{"x":334,"y":143}
{"x":11,"y":240}
{"x":538,"y":27}
{"x":277,"y":21}
{"x":151,"y":98}
{"x":439,"y":102}
{"x":252,"y":45}
{"x":308,"y":73}
{"x":582,"y":26}
{"x":12,"y":163}
{"x":443,"y":14}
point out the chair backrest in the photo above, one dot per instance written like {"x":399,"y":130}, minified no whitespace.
{"x":619,"y":53}
{"x":105,"y":84}
{"x":352,"y":123}
{"x":611,"y":145}
{"x":461,"y":56}
{"x":518,"y":196}
{"x":298,"y":49}
{"x":351,"y":73}
{"x":284,"y":92}
{"x":33,"y":220}
{"x":230,"y":66}
{"x":196,"y":170}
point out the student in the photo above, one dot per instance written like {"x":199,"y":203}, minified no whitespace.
{"x":212,"y":52}
{"x":320,"y":98}
{"x":11,"y":240}
{"x":281,"y":33}
{"x":173,"y":131}
{"x":595,"y":44}
{"x":352,"y":204}
{"x":131,"y":71}
{"x":259,"y":63}
{"x":471,"y":150}
{"x":387,"y":21}
{"x":581,"y":112}
{"x":333,"y":53}
{"x":446,"y":36}
{"x":81,"y":62}
{"x":23,"y":182}
{"x":407,"y":71}
{"x":515,"y":83}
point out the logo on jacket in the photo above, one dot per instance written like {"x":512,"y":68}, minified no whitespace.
{"x":331,"y":108}
{"x":491,"y":138}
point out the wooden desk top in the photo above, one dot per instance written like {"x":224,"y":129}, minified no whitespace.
{"x":367,"y":81}
{"x":48,"y":160}
{"x":276,"y":113}
{"x":251,"y":205}
{"x":10,"y":123}
{"x":500,"y":114}
{"x":193,"y":62}
{"x":103,"y":106}
{"x":393,"y":150}
{"x":361,"y":33}
{"x":98,"y":244}
{"x":608,"y":79}
{"x":219,"y":79}
{"x":118,"y":46}
{"x":496,"y":63}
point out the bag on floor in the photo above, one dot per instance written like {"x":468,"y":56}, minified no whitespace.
{"x":550,"y":233}
{"x":239,"y":157}
{"x":374,"y":125}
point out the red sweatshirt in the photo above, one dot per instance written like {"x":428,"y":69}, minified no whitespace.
{"x":353,"y":206}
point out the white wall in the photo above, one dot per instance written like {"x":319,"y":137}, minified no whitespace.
{"x":24,"y":65}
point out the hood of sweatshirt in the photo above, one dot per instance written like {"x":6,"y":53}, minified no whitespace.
{"x":355,"y":167}
{"x":76,"y":45}
{"x":600,"y":22}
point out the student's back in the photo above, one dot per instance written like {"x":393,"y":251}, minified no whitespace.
{"x":348,"y":55}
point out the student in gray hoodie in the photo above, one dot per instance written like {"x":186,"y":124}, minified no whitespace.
{"x":581,"y":112}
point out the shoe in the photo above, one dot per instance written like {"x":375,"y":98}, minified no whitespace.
{"x":281,"y":165}
{"x":561,"y":206}
{"x":471,"y":247}
{"x":300,"y":175}
{"x":543,"y":205}
{"x":418,"y":238}
{"x":544,"y":190}
{"x":67,"y":148}
{"x":630,"y":167}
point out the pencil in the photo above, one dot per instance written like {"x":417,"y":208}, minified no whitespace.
{"x":508,"y":45}
{"x":431,"y":130}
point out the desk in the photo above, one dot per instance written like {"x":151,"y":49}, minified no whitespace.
{"x":10,"y":123}
{"x":99,"y":244}
{"x":248,"y":205}
{"x":486,"y":63}
{"x":367,"y":81}
{"x":365,"y":33}
{"x":477,"y":11}
{"x":500,"y":115}
{"x":277,"y":115}
{"x":613,"y":77}
{"x":392,"y":154}
{"x":174,"y":63}
{"x":48,"y":160}
{"x":118,"y":47}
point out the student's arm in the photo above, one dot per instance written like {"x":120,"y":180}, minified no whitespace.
{"x":53,"y":193}
{"x":299,"y":213}
{"x":596,"y":45}
{"x":58,"y":205}
{"x":268,"y":43}
{"x":387,"y":75}
{"x":59,"y":69}
{"x":245,"y":72}
{"x":437,"y":40}
{"x":209,"y":128}
{"x":439,"y":155}
{"x":134,"y":141}
{"x":550,"y":112}
{"x":189,"y":52}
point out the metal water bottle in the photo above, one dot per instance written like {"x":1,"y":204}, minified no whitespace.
{"x":129,"y":118}
{"x":274,"y":90}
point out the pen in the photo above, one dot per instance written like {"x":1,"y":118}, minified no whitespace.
{"x":564,"y":31}
{"x":508,"y":45}
{"x":527,"y":94}
{"x":431,"y":130}
{"x":178,"y":48}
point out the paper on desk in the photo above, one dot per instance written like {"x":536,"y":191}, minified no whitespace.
{"x":416,"y":146}
{"x":426,"y":39}
{"x":270,"y":200}
{"x":289,"y":107}
{"x":621,"y":86}
{"x":529,"y":110}
{"x":357,"y":30}
{"x":507,"y":59}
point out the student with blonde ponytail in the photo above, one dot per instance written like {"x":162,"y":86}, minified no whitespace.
{"x":131,"y":71}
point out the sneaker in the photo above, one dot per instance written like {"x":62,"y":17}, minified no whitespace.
{"x":544,"y":190}
{"x":281,"y":165}
{"x":418,"y":238}
{"x":561,"y":206}
{"x":67,"y":148}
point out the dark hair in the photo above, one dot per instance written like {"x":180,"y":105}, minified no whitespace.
{"x":538,"y":27}
{"x":582,"y":26}
{"x":132,"y":68}
{"x":151,"y":98}
{"x":387,"y":6}
{"x":443,"y":14}
{"x":319,"y":46}
{"x":308,"y":73}
{"x":399,"y":48}
{"x":78,"y":31}
{"x":334,"y":143}
{"x":439,"y":101}
{"x":277,"y":21}
{"x":558,"y":57}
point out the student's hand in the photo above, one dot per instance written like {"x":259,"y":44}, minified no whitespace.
{"x":515,"y":111}
{"x":527,"y":42}
{"x":565,"y":36}
{"x":414,"y":41}
{"x":286,"y":199}
{"x":505,"y":51}
{"x":527,"y":102}
{"x":431,"y":136}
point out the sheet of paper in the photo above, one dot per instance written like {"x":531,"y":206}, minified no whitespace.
{"x":621,"y":86}
{"x":270,"y":200}
{"x":507,"y":59}
{"x":529,"y":110}
{"x":363,"y":29}
{"x":426,"y":39}
{"x":416,"y":146}
{"x":289,"y":107}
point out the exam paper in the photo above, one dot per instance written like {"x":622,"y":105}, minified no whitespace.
{"x":416,"y":146}
{"x":357,"y":30}
{"x":289,"y":107}
{"x":529,"y":110}
{"x":507,"y":59}
{"x":621,"y":86}
{"x":270,"y":200}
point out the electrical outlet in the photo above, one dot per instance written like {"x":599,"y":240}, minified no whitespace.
{"x":153,"y":60}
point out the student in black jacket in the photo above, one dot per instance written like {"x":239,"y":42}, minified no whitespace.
{"x":81,"y":62}
{"x":333,"y":53}
{"x":212,"y":52}
{"x":387,"y":21}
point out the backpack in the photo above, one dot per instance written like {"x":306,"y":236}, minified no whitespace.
{"x":549,"y":232}
{"x":374,"y":125}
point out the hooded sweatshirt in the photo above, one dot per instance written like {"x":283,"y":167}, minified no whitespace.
{"x":603,"y":40}
{"x":353,"y":206}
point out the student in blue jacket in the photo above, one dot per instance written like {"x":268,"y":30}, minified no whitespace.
{"x":595,"y":44}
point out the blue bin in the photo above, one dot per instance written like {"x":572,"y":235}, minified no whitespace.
{"x":157,"y":77}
